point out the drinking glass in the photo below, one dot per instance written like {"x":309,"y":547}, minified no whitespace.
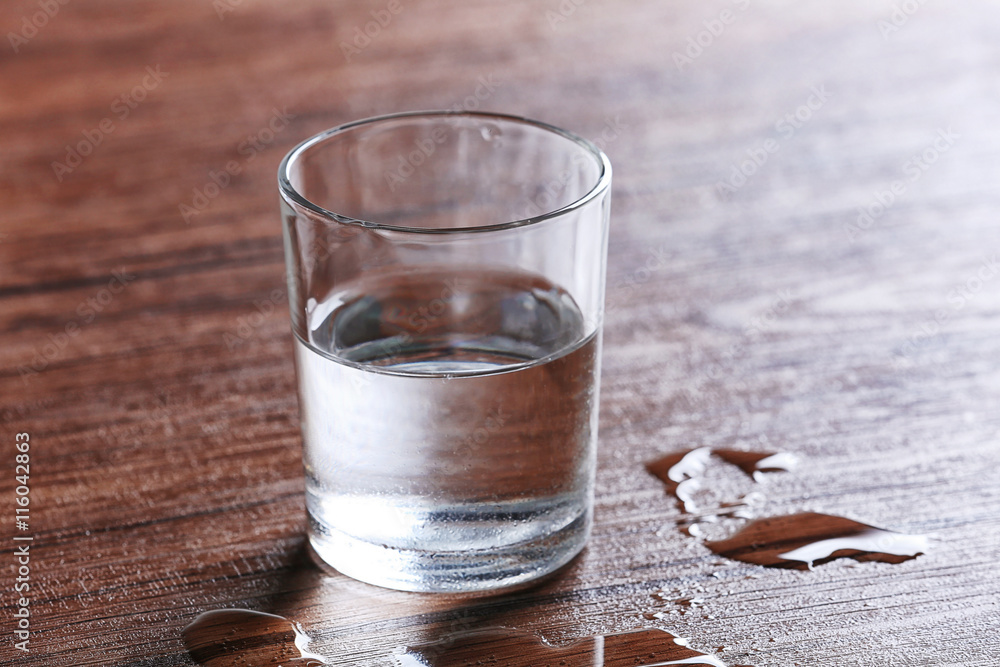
{"x":446,"y":284}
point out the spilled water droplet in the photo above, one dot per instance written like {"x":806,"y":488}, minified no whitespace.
{"x":515,"y":648}
{"x":241,"y":637}
{"x":753,"y":463}
{"x":680,"y":471}
{"x":803,"y":540}
{"x":690,"y":602}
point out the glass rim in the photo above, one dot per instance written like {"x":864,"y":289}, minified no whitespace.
{"x":288,"y":191}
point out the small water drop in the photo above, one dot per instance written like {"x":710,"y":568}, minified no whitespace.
{"x":680,"y":471}
{"x":756,"y":462}
{"x":490,"y":132}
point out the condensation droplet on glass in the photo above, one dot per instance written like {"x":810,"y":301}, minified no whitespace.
{"x":490,"y":132}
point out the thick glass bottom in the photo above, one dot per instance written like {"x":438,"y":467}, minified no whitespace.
{"x":450,"y":571}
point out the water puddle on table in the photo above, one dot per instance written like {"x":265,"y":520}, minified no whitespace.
{"x":798,"y":541}
{"x":804,"y":540}
{"x":512,"y":648}
{"x":245,"y":638}
{"x":682,"y":471}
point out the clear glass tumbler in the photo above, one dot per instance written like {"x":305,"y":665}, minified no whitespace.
{"x":446,"y":284}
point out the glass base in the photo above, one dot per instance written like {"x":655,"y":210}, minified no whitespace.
{"x":468,"y":571}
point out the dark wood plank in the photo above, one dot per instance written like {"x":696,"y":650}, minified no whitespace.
{"x":760,"y":316}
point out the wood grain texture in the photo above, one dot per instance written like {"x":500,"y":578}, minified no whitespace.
{"x":807,"y":307}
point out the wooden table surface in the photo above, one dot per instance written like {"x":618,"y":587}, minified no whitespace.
{"x":803,"y":259}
